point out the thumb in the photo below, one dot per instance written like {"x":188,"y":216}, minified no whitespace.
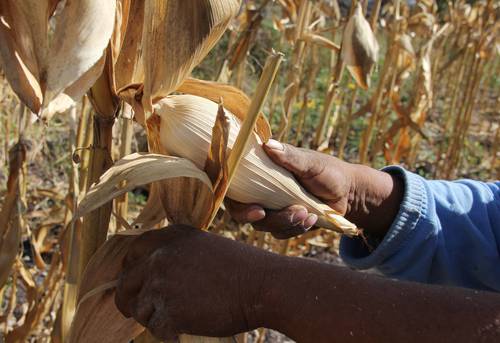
{"x":299,"y":162}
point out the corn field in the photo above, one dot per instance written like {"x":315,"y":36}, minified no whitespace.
{"x":97,"y":98}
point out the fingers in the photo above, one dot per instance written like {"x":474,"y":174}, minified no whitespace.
{"x":289,"y":222}
{"x":302,"y":163}
{"x":136,"y":298}
{"x":129,"y":285}
{"x":244,"y":213}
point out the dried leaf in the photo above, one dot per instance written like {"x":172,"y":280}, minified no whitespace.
{"x":250,"y":27}
{"x":216,"y":165}
{"x":18,"y":55}
{"x":321,"y":41}
{"x":82,"y":33}
{"x":404,"y":42}
{"x":136,"y":170}
{"x":195,"y":26}
{"x":40,"y":69}
{"x":359,"y":48}
{"x":129,"y":69}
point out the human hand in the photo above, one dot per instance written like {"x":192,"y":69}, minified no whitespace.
{"x":367,"y":197}
{"x":183,"y":280}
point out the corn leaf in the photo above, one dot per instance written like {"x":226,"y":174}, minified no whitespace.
{"x":82,"y":33}
{"x":177,"y":35}
{"x":136,"y":170}
{"x":40,"y":69}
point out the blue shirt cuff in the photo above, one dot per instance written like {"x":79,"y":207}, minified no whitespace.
{"x":354,"y":251}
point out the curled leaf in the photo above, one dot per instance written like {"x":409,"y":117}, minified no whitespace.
{"x":135,"y":170}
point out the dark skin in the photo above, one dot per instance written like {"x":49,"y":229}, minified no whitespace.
{"x":367,"y":197}
{"x":182,"y":280}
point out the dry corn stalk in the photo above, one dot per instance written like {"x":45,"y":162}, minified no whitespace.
{"x":10,"y":226}
{"x":359,"y":48}
{"x":186,"y":131}
{"x":38,"y":69}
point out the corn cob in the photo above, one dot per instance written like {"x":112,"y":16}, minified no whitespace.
{"x":186,"y":131}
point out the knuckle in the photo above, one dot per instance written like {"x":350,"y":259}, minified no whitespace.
{"x":162,"y":324}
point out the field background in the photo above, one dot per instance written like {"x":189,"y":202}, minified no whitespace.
{"x":435,"y":111}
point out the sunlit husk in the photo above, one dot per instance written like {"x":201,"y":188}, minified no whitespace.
{"x":186,"y":130}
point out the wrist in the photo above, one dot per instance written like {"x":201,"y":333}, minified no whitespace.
{"x":374,"y":199}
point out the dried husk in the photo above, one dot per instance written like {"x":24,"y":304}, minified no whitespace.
{"x":186,"y":131}
{"x":359,"y":48}
{"x":235,"y":101}
{"x":39,"y":69}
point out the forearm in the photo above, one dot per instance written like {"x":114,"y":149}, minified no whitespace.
{"x":324,"y":303}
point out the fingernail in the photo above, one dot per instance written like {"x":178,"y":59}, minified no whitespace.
{"x":299,"y":216}
{"x":310,"y":221}
{"x":275,"y":145}
{"x":255,"y":213}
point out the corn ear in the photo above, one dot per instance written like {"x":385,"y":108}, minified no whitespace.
{"x":235,"y":101}
{"x":359,"y":48}
{"x":186,"y":131}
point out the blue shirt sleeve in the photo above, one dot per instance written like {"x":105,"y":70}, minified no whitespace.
{"x":445,"y":233}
